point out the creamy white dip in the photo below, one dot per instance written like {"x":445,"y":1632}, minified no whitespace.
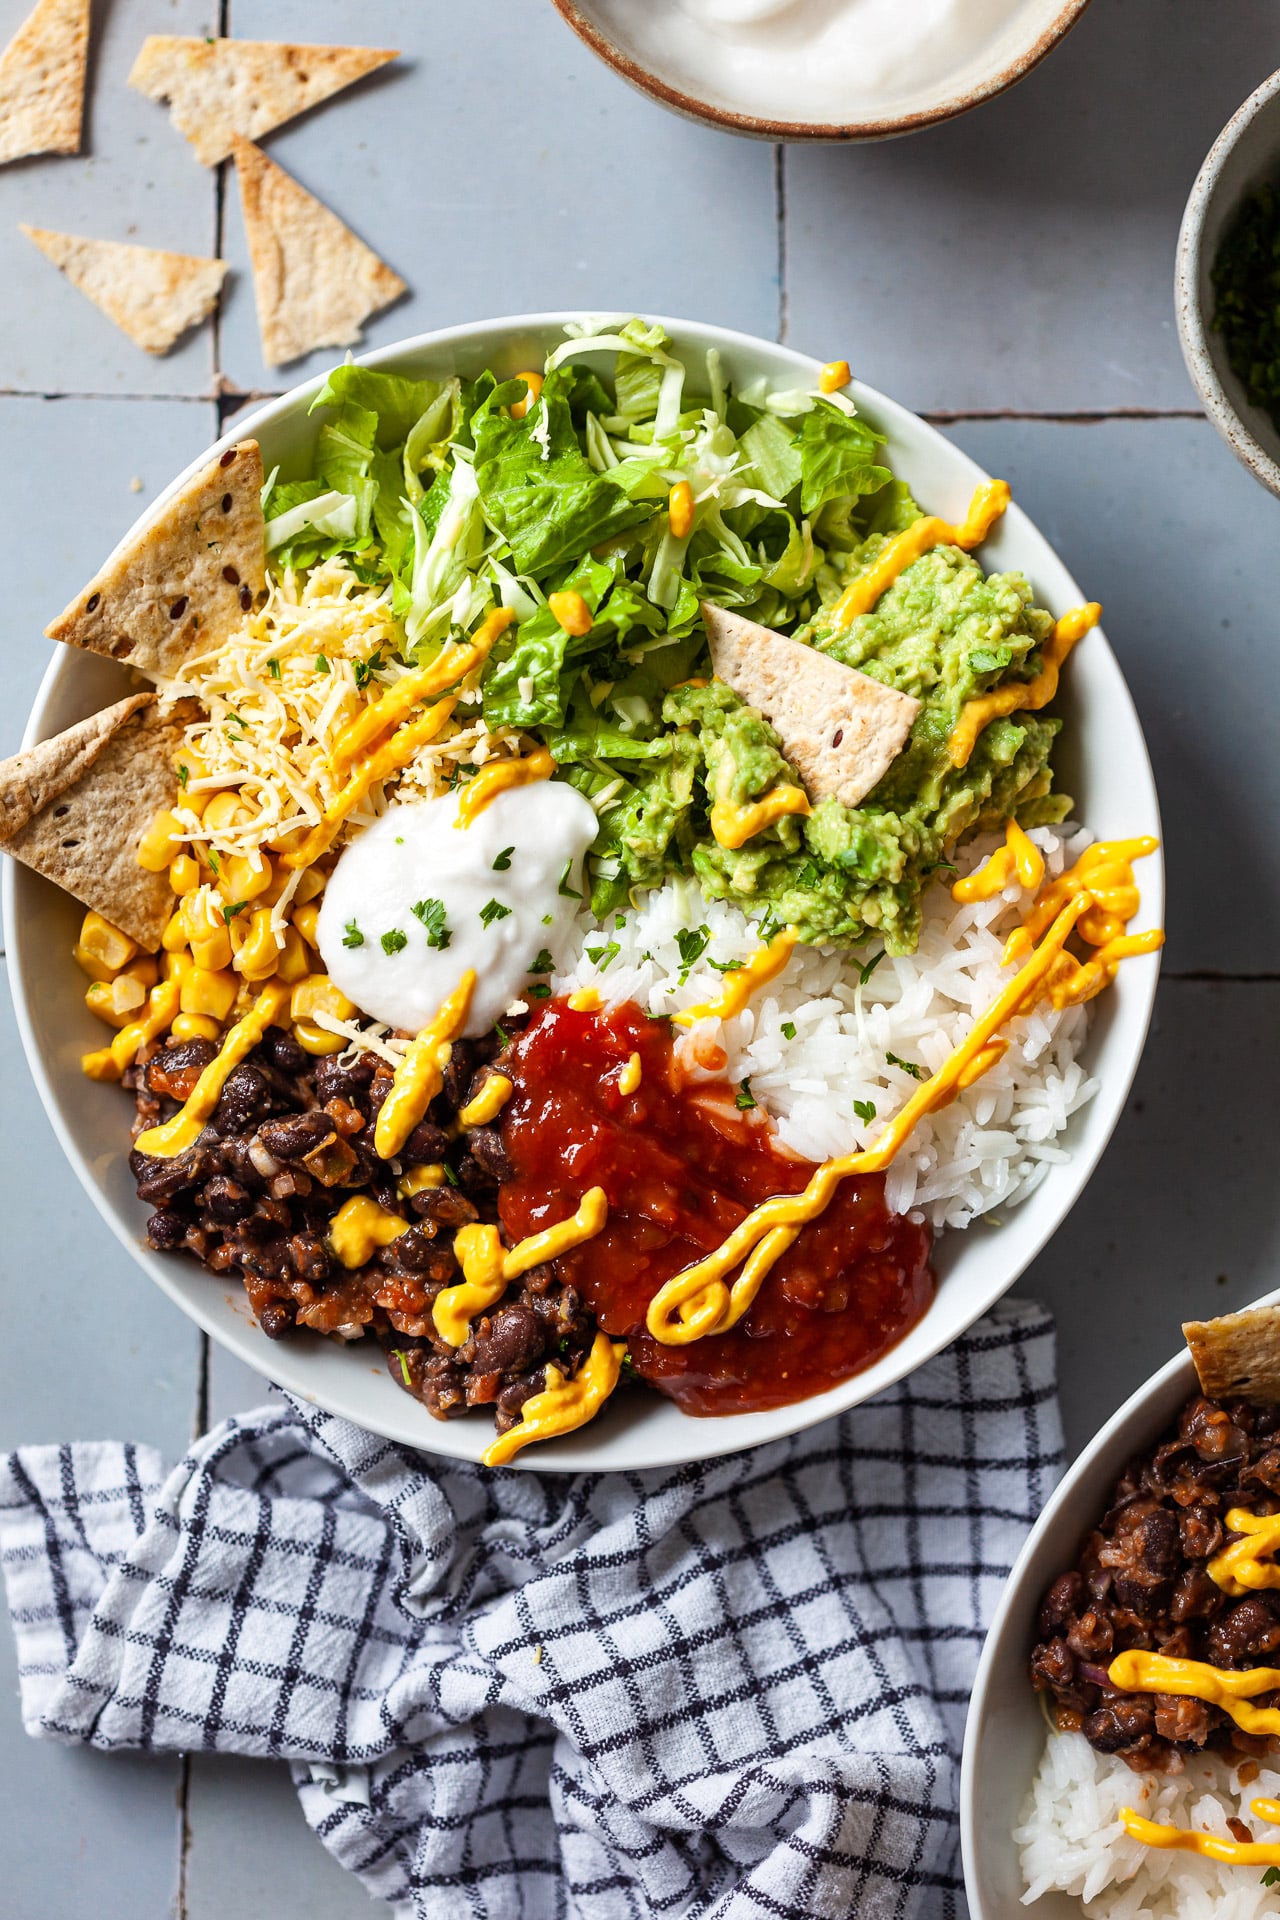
{"x":488,"y":897}
{"x":813,"y":60}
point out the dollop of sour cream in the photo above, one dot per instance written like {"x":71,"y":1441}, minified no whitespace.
{"x":827,"y":61}
{"x":490,"y":892}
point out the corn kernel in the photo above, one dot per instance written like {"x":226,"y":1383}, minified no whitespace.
{"x":144,"y":968}
{"x":571,"y":612}
{"x":176,"y":935}
{"x":195,"y":1026}
{"x":161,"y":841}
{"x":313,"y":1039}
{"x":184,"y":874}
{"x":245,"y":877}
{"x":116,"y":1001}
{"x":311,"y":886}
{"x":254,"y":944}
{"x":225,"y":810}
{"x":834,"y":375}
{"x":206,"y":932}
{"x":102,"y":949}
{"x":176,"y":966}
{"x":294,"y":963}
{"x":533,"y":381}
{"x":287,"y":842}
{"x":209,"y":993}
{"x":189,"y":766}
{"x":680,"y":510}
{"x":305,"y":918}
{"x":317,"y":994}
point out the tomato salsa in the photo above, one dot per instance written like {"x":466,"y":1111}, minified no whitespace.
{"x":681,"y":1164}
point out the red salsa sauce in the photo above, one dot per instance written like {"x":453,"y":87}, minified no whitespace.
{"x":681,"y":1165}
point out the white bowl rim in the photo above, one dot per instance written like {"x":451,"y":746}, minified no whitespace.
{"x":1130,"y":1413}
{"x":708,"y":1438}
{"x":760,"y":127}
{"x":1193,"y":333}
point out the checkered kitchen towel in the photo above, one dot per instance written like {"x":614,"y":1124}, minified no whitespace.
{"x":732,"y":1691}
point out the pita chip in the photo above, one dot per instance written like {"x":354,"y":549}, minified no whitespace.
{"x":42,"y":81}
{"x":75,"y":807}
{"x":1237,"y":1356}
{"x":840,"y":729}
{"x":219,"y":88}
{"x":180,"y":584}
{"x":151,"y":295}
{"x":315,"y":283}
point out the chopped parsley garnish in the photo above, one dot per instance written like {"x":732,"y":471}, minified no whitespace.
{"x":322,"y":665}
{"x":567,"y":892}
{"x":273,"y":667}
{"x":404,"y":1366}
{"x":767,"y":926}
{"x":725,"y":966}
{"x":543,"y":963}
{"x":547,"y":919}
{"x":865,"y":1110}
{"x":229,"y":913}
{"x":184,"y":774}
{"x":602,"y":958}
{"x":1271,"y":1876}
{"x":628,"y":1367}
{"x":214,"y":862}
{"x":351,"y":935}
{"x":504,"y":1039}
{"x":493,"y":910}
{"x":364,"y":670}
{"x":395,"y":941}
{"x":449,"y":1173}
{"x":788,"y":1029}
{"x":431,"y":914}
{"x":908,"y":1066}
{"x":540,"y":990}
{"x":865,"y":973}
{"x":692,"y":943}
{"x":744,"y":1099}
{"x":503,"y":860}
{"x":809,"y":876}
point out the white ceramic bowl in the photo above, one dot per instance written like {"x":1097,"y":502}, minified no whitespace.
{"x":1104,"y":763}
{"x":1245,"y":156}
{"x":1006,"y":1729}
{"x":1032,"y":30}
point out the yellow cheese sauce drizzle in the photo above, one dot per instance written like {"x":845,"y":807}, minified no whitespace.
{"x":1104,"y":874}
{"x":393,"y":705}
{"x":1018,"y":857}
{"x":734,"y":825}
{"x":488,"y":1103}
{"x":986,"y":507}
{"x":360,"y":1227}
{"x":563,"y":1404}
{"x":108,"y":1063}
{"x":488,"y":1268}
{"x":420,"y":1075}
{"x":391,"y":758}
{"x":1026,"y":696}
{"x":176,"y":1135}
{"x":499,"y":778}
{"x":699,"y":1301}
{"x":742,"y":982}
{"x":1241,"y":1567}
{"x":1233,"y":1853}
{"x":1138,"y":1672}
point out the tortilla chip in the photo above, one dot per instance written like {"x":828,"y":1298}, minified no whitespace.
{"x":840,"y":729}
{"x":94,"y":803}
{"x":1237,"y":1356}
{"x":151,"y":295}
{"x":315,"y":283}
{"x":42,"y":81}
{"x":217,"y":89}
{"x":181,"y":583}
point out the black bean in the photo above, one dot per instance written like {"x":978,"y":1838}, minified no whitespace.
{"x":166,"y":1230}
{"x":226,"y":1199}
{"x":246,"y":1099}
{"x":485,"y":1145}
{"x":446,"y":1206}
{"x":310,"y":1258}
{"x":1119,"y":1725}
{"x":426,"y":1144}
{"x":296,"y":1135}
{"x":278,"y":1319}
{"x":159,"y":1180}
{"x":413,"y":1252}
{"x":348,"y":1082}
{"x":285,"y":1052}
{"x":508,"y":1341}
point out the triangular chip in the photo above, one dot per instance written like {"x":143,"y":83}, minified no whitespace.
{"x":1237,"y":1356}
{"x":840,"y":729}
{"x":219,"y":88}
{"x":153,"y":296}
{"x":315,"y":283}
{"x":84,"y":835}
{"x":180,"y":584}
{"x":42,"y":81}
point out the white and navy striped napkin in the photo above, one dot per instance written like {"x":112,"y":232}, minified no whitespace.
{"x":733,"y":1691}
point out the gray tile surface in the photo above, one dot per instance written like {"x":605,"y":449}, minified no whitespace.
{"x":1018,"y":262}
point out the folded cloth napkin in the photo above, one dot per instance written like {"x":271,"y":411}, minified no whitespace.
{"x":733,"y":1690}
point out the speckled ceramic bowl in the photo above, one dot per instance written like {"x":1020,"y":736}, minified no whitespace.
{"x":1033,"y":31}
{"x":1245,"y":156}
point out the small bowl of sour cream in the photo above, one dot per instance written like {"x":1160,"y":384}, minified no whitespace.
{"x":821,"y":69}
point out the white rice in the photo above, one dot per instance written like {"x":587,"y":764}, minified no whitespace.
{"x":990,"y":1148}
{"x":1071,"y":1840}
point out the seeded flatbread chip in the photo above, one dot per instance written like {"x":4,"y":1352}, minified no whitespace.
{"x":42,"y":81}
{"x":181,"y":584}
{"x":315,"y":282}
{"x":75,"y":807}
{"x":217,"y":89}
{"x":840,"y":729}
{"x":1237,"y":1356}
{"x":151,"y":295}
